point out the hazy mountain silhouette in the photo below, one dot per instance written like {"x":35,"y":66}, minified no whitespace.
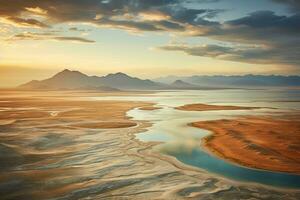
{"x":123,"y":81}
{"x":183,"y":85}
{"x":236,"y":81}
{"x":68,"y":79}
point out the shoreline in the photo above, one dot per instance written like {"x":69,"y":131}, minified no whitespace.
{"x":192,"y":169}
{"x":239,"y":145}
{"x":150,"y":108}
{"x":208,"y":107}
{"x":112,"y":160}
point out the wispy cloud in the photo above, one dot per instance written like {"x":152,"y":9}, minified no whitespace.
{"x":276,"y":36}
{"x":246,"y":54}
{"x":21,"y":22}
{"x":47,"y":36}
{"x":73,"y":39}
{"x":293,"y":4}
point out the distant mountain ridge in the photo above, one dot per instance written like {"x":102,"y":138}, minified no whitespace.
{"x":68,"y":79}
{"x":183,"y":85}
{"x":123,"y":81}
{"x":236,"y":81}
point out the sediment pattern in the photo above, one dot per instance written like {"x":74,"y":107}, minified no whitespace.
{"x":57,"y":149}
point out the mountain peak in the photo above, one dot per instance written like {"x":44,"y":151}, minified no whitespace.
{"x":66,"y":70}
{"x":118,"y":75}
{"x":121,"y":74}
{"x":180,"y":82}
{"x":68,"y":79}
{"x":69,"y":73}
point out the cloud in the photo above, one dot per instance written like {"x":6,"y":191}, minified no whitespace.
{"x":20,"y":22}
{"x":47,"y":36}
{"x":293,"y":4}
{"x":37,"y":11}
{"x":246,"y":54}
{"x":204,"y":50}
{"x":276,"y":37}
{"x":78,"y":29}
{"x":105,"y":12}
{"x":268,"y":38}
{"x":269,"y":21}
{"x":73,"y":39}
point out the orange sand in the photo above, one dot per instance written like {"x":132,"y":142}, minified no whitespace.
{"x":81,"y":113}
{"x":149,"y":108}
{"x":259,"y":142}
{"x":206,"y":107}
{"x":106,"y":125}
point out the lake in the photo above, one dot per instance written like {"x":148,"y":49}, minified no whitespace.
{"x":183,"y":142}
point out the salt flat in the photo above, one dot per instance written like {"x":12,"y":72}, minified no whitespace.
{"x":88,"y":149}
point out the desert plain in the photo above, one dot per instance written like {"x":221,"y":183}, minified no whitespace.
{"x":66,"y":145}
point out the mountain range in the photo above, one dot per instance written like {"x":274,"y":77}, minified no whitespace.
{"x":68,"y":79}
{"x":236,"y":81}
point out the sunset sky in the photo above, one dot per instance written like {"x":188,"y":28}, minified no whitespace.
{"x":148,"y":38}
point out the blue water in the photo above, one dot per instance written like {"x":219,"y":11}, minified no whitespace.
{"x":205,"y":161}
{"x":183,"y":142}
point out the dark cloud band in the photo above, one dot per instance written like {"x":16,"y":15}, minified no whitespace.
{"x":276,"y":36}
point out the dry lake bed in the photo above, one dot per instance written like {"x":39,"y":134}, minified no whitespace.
{"x":219,"y":144}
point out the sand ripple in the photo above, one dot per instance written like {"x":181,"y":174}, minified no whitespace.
{"x":47,"y":157}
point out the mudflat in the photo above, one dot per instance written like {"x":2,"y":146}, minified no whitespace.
{"x":207,"y":107}
{"x":67,"y":145}
{"x":265,"y":142}
{"x":150,"y":108}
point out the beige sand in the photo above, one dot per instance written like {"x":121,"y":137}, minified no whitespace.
{"x":61,"y":147}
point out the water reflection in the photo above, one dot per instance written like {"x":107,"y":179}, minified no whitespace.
{"x":183,"y":142}
{"x":42,"y":156}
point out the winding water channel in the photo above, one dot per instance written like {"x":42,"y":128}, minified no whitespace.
{"x":183,"y":142}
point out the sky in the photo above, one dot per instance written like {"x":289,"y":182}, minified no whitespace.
{"x":148,"y":38}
